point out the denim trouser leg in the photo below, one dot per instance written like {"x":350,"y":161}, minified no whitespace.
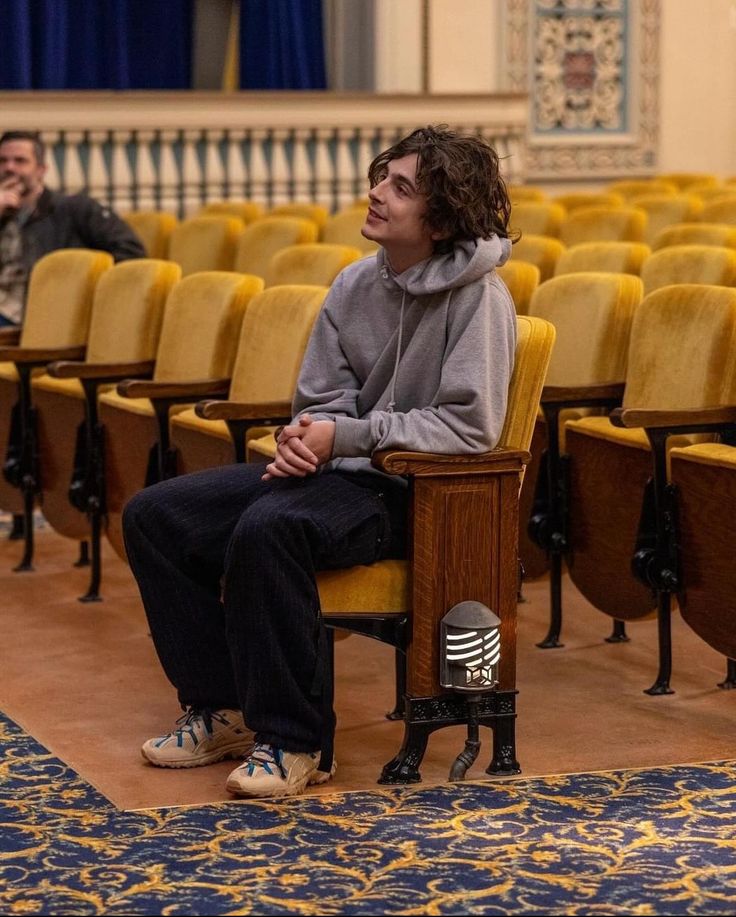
{"x":261,"y":544}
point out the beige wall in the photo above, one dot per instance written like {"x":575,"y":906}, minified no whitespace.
{"x":698,"y":86}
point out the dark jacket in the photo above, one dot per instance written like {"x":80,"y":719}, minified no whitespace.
{"x":76,"y":221}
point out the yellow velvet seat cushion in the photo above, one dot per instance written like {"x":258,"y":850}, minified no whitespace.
{"x":263,"y":447}
{"x":541,"y":251}
{"x":615,"y":257}
{"x":70,"y":388}
{"x":708,"y":264}
{"x":522,"y":279}
{"x":9,"y":372}
{"x":260,"y":241}
{"x":717,"y":455}
{"x":600,"y":224}
{"x":602,"y":428}
{"x":317,"y":263}
{"x":189,"y":420}
{"x":380,"y":588}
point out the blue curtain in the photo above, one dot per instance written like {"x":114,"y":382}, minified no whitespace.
{"x":281,"y":44}
{"x":96,"y":44}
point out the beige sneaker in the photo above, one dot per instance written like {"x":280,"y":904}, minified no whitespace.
{"x":201,"y":737}
{"x":269,"y":771}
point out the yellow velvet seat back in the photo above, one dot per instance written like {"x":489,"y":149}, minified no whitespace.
{"x":710,"y":193}
{"x":538,"y":218}
{"x":696,"y":234}
{"x":680,"y":356}
{"x":664,"y":210}
{"x":522,"y":279}
{"x":592,"y":313}
{"x":690,"y":264}
{"x":682,"y":345}
{"x":385,"y":587}
{"x":205,"y":243}
{"x":630,"y":189}
{"x":153,"y":228}
{"x":308,"y":211}
{"x":260,"y":241}
{"x":344,"y":229}
{"x":685,"y":180}
{"x":613,"y":257}
{"x":273,"y":338}
{"x":247,"y":211}
{"x":318,"y":263}
{"x":127,"y":312}
{"x":199,"y":335}
{"x":60,"y":294}
{"x":720,"y":210}
{"x":542,"y":251}
{"x":530,"y":193}
{"x":601,"y":224}
{"x":577,"y":200}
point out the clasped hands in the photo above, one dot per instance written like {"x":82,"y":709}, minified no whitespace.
{"x":301,"y":448}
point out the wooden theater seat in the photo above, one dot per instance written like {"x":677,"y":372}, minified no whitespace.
{"x":604,"y":224}
{"x":592,"y":314}
{"x":522,"y":279}
{"x":263,"y":238}
{"x":205,"y":243}
{"x":317,"y":264}
{"x":154,"y":228}
{"x":127,"y":312}
{"x":194,"y":358}
{"x":681,"y":356}
{"x":542,"y":251}
{"x":613,"y":257}
{"x":708,"y":264}
{"x":55,"y":326}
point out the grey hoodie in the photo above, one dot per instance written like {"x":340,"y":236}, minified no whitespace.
{"x":419,"y":360}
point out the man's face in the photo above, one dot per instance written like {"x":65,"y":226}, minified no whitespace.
{"x":396,"y":212}
{"x":20,"y":169}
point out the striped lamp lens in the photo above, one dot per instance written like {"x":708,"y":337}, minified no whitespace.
{"x":470,"y":648}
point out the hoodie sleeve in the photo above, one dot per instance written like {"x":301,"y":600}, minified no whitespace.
{"x":327,"y":386}
{"x":468,"y":410}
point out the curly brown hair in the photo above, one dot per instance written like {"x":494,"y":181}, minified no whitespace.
{"x":459,"y":173}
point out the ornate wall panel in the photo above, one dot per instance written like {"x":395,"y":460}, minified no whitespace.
{"x":591,"y":68}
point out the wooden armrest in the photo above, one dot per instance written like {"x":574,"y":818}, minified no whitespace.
{"x":34,"y":355}
{"x":687,"y":417}
{"x":65,"y":369}
{"x":273,"y":412}
{"x":146,"y":388}
{"x":605,"y":391}
{"x":9,"y":337}
{"x":433,"y":464}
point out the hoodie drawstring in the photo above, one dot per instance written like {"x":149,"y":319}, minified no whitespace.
{"x":392,"y":401}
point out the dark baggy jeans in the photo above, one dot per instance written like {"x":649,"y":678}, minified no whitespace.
{"x":226,"y":568}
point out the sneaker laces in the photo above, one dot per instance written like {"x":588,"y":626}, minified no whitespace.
{"x":266,"y":757}
{"x":186,"y":722}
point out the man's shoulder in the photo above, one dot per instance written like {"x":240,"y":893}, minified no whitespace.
{"x":364,"y":268}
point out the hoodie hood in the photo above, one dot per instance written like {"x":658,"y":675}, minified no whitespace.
{"x":468,"y":261}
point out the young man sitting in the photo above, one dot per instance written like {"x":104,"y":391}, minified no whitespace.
{"x":413,"y":350}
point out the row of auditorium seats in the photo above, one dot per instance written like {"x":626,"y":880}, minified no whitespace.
{"x":676,"y":264}
{"x":97,"y":440}
{"x":632,"y":379}
{"x":239,"y":236}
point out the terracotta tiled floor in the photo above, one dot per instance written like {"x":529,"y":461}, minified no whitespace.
{"x":84,"y":680}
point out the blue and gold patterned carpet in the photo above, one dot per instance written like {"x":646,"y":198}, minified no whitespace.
{"x":656,"y":841}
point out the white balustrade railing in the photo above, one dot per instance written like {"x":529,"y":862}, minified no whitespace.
{"x":176,"y":151}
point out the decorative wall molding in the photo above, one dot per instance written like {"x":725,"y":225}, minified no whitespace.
{"x":176,"y":151}
{"x":608,"y":139}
